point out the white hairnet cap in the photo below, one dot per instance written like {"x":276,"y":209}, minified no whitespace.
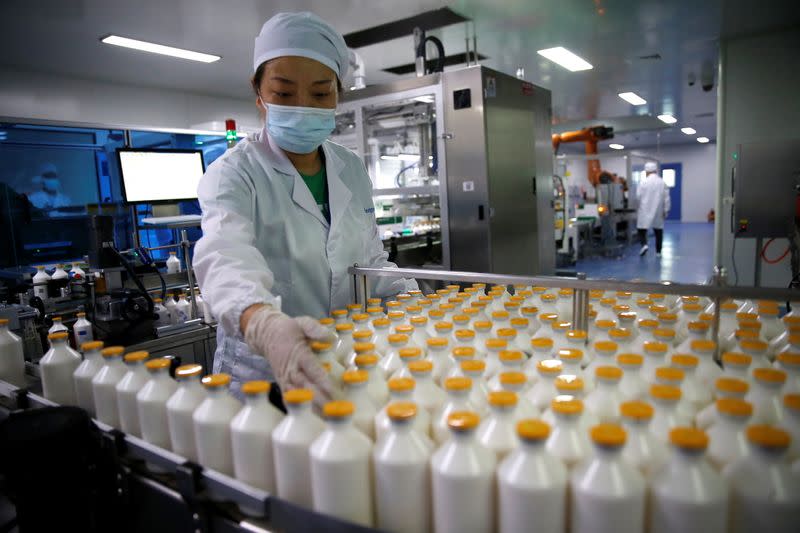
{"x":650,"y":166}
{"x":301,"y":34}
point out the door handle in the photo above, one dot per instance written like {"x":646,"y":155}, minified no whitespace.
{"x":480,"y":212}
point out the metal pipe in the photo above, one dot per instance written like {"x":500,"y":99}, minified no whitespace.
{"x":719,"y":280}
{"x":721,"y":149}
{"x":189,"y":269}
{"x":365,"y":292}
{"x":580,"y":307}
{"x":757,"y":267}
{"x":709,"y":291}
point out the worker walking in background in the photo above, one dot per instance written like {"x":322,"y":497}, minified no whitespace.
{"x":653,"y":196}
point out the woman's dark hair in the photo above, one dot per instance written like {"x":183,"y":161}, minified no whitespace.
{"x":255,"y":81}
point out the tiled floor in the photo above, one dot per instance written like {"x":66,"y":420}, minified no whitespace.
{"x":687,"y":257}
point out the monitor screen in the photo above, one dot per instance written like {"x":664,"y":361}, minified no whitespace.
{"x":150,"y":176}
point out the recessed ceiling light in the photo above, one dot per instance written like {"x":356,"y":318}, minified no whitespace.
{"x":154,"y":48}
{"x":633,"y":98}
{"x":565,"y":58}
{"x":667,"y":119}
{"x":702,"y":140}
{"x":616,"y":146}
{"x":689,"y":131}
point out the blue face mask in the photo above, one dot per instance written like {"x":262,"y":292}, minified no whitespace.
{"x":299,"y":130}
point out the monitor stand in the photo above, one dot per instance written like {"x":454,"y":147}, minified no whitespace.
{"x":166,"y":210}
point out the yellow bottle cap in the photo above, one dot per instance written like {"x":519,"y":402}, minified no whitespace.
{"x":405,"y":329}
{"x":648,"y":323}
{"x":319,"y":347}
{"x":355,"y":376}
{"x":665,"y":392}
{"x":398,"y":338}
{"x":401,"y":384}
{"x":736,"y":359}
{"x":606,"y":346}
{"x":297,"y":396}
{"x":465,"y":334}
{"x":754,"y":346}
{"x":655,"y":347}
{"x":566,"y":405}
{"x":512,"y":378}
{"x":457,"y":383}
{"x":630,"y":359}
{"x":362,"y":335}
{"x":338,"y":409}
{"x":511,"y":356}
{"x":534,"y":430}
{"x":360,"y":317}
{"x":549,"y":367}
{"x":136,"y":357}
{"x":732,"y":385}
{"x":605,"y":324}
{"x":92,"y":345}
{"x":187,"y":371}
{"x":401,"y":410}
{"x":570,"y":354}
{"x":366,"y":359}
{"x":567,"y":383}
{"x":417,"y":321}
{"x":420,"y":367}
{"x":463,"y":352}
{"x":734,"y":406}
{"x":608,"y":435}
{"x":251,"y":388}
{"x":768,"y":437}
{"x":338,"y":313}
{"x":688,"y":438}
{"x":496,"y":344}
{"x":363,"y":347}
{"x":344,"y":328}
{"x":161,"y":363}
{"x":327,"y":321}
{"x":769,"y":375}
{"x":213,"y":381}
{"x":473,"y":365}
{"x":544,"y":343}
{"x":437,"y":342}
{"x":608,"y":373}
{"x":685,"y":361}
{"x":463,"y":420}
{"x":792,"y":402}
{"x":58,"y":336}
{"x":443,"y":326}
{"x":577,"y":334}
{"x":381,"y":322}
{"x":667,"y":373}
{"x":619,"y":333}
{"x":703,"y":346}
{"x":664,"y":334}
{"x":502,"y":398}
{"x":636,"y":410}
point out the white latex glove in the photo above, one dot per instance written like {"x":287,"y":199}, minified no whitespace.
{"x":284,"y":342}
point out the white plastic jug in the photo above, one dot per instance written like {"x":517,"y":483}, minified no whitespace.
{"x":86,"y":371}
{"x":642,"y":449}
{"x":57,"y":367}
{"x":127,"y":388}
{"x":189,"y":394}
{"x":152,"y":403}
{"x":104,"y":385}
{"x":212,"y":421}
{"x":728,"y":432}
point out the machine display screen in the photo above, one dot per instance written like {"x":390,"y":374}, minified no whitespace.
{"x":150,"y":176}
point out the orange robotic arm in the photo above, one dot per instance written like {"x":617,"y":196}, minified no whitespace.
{"x":590,"y":136}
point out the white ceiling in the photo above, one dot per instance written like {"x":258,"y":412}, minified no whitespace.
{"x":62,"y":37}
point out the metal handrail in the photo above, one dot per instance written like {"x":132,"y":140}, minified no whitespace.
{"x":666,"y":287}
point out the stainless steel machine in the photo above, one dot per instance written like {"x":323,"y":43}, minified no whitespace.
{"x":462,"y":170}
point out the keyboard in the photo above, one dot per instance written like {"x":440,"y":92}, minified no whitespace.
{"x":180,"y":219}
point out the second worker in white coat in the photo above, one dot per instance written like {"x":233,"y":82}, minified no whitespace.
{"x":285,"y":213}
{"x":653,"y":196}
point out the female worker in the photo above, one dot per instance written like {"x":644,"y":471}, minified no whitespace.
{"x":285,"y":213}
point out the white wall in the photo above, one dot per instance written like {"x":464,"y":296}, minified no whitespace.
{"x":34,"y":95}
{"x":762,"y":104}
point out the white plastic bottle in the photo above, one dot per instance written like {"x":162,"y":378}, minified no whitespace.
{"x":694,"y":392}
{"x":291,"y":441}
{"x":544,"y":390}
{"x":497,"y":432}
{"x":510,"y":361}
{"x":458,"y":390}
{"x":603,"y":354}
{"x":631,"y":386}
{"x":791,"y":423}
{"x":655,"y":353}
{"x":737,"y":365}
{"x":532,"y":484}
{"x":463,"y":481}
{"x":58,"y":326}
{"x":724,"y":387}
{"x":427,"y":394}
{"x":57,"y":367}
{"x":86,"y":371}
{"x":516,"y":382}
{"x":151,"y":401}
{"x":401,"y":390}
{"x":356,"y":392}
{"x":104,"y":385}
{"x":687,"y":494}
{"x":127,"y":389}
{"x":765,"y":493}
{"x":765,"y":395}
{"x":173,"y":263}
{"x":402,"y":475}
{"x":568,"y":440}
{"x":325,"y":354}
{"x":251,"y":439}
{"x":76,"y":272}
{"x":789,"y":362}
{"x":667,"y":375}
{"x":605,"y":399}
{"x":12,"y":356}
{"x":200,"y":304}
{"x":376,"y":382}
{"x":59,"y":273}
{"x":391,"y":362}
{"x":40,"y":280}
{"x":341,"y":457}
{"x":728,"y":433}
{"x":665,"y":399}
{"x":474,"y":370}
{"x":173,"y":313}
{"x":707,"y":370}
{"x":212,"y":421}
{"x":642,"y":449}
{"x":189,"y":394}
{"x":608,"y":494}
{"x":161,"y":313}
{"x":183,"y":309}
{"x":541,"y":349}
{"x":82,"y":329}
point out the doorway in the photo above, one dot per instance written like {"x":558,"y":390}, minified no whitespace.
{"x":671,"y":173}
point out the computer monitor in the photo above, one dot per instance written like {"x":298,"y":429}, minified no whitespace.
{"x":157,"y":176}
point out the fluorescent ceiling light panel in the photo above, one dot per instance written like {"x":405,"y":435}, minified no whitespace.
{"x":702,"y":140}
{"x":154,"y":48}
{"x":667,"y":119}
{"x":689,"y":131}
{"x":565,"y":58}
{"x":615,"y":146}
{"x":632,"y":98}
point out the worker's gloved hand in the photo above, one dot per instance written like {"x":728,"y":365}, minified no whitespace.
{"x":284,"y":342}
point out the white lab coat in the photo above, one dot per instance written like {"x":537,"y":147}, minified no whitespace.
{"x":265,"y":240}
{"x":653,"y":196}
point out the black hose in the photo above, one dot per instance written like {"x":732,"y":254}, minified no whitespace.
{"x":439,"y":48}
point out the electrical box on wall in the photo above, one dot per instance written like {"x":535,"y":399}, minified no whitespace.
{"x":766,"y":182}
